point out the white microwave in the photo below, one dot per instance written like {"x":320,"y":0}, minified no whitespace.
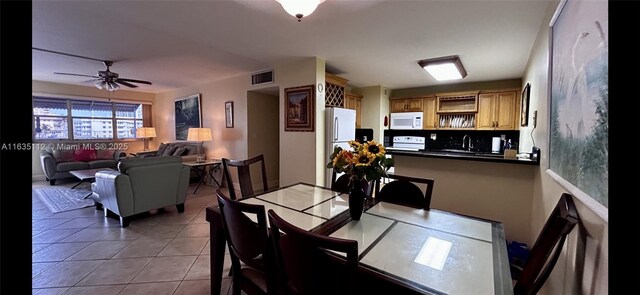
{"x":409,"y":120}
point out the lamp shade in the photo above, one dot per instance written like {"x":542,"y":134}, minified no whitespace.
{"x":145,"y":132}
{"x":199,"y":134}
{"x":300,"y":8}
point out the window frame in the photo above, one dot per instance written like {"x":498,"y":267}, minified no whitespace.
{"x":69,"y":117}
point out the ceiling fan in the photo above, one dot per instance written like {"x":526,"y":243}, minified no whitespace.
{"x":106,"y":79}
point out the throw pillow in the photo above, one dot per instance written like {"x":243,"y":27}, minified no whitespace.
{"x":180,"y":151}
{"x":163,"y":146}
{"x":170,"y":150}
{"x":83,"y":155}
{"x":104,"y":154}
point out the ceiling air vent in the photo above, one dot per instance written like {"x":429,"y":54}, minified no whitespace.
{"x":262,"y":78}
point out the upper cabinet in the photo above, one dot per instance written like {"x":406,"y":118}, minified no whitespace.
{"x":459,"y":102}
{"x":472,"y":110}
{"x":497,"y":111}
{"x":334,"y":90}
{"x":399,"y":105}
{"x":354,"y":102}
{"x":430,"y":121}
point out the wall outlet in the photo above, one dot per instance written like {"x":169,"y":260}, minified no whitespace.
{"x":503,"y":137}
{"x":433,"y":136}
{"x":535,"y":119}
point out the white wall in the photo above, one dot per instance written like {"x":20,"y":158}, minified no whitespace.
{"x":574,"y":274}
{"x":496,"y":191}
{"x":227,"y":142}
{"x":84,"y":91}
{"x":301,"y":152}
{"x":374,"y":106}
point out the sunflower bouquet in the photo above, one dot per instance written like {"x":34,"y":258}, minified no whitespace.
{"x":363,"y":162}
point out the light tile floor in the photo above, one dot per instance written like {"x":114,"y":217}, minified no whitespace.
{"x":83,"y":252}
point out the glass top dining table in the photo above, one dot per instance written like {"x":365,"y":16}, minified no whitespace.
{"x":422,"y":251}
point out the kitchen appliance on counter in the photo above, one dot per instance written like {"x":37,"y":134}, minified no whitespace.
{"x":340,"y":127}
{"x":408,"y":120}
{"x":407,"y":143}
{"x":496,"y":145}
{"x":364,"y":134}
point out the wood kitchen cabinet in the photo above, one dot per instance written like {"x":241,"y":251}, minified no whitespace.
{"x":497,"y":111}
{"x":354,"y":102}
{"x":399,"y":105}
{"x":430,"y":119}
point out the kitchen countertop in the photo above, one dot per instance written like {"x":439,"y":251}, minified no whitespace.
{"x":463,"y":155}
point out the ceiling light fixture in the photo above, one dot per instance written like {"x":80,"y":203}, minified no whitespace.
{"x":300,"y":8}
{"x":444,"y":68}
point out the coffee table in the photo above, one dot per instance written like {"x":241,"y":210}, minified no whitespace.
{"x":87,"y":175}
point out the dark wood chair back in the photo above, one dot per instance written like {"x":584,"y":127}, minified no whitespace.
{"x":402,"y":190}
{"x":548,"y":246}
{"x":342,"y":184}
{"x":248,"y":243}
{"x":244,"y":175}
{"x":305,"y":265}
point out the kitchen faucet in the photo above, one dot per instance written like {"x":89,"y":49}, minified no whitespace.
{"x":463,"y":139}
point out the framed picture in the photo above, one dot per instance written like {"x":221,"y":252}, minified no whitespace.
{"x":524,"y":106}
{"x":299,"y":108}
{"x":188,"y":115}
{"x":579,"y":99}
{"x":228,"y":114}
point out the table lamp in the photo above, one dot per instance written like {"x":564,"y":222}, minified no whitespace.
{"x":146,"y":133}
{"x":199,"y":135}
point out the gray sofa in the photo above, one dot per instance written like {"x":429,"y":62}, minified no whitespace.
{"x":56,"y":163}
{"x":188,"y":151}
{"x":142,"y":184}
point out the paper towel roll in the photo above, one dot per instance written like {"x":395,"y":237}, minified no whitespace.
{"x":495,"y":144}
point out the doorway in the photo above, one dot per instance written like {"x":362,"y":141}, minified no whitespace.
{"x":263,"y":130}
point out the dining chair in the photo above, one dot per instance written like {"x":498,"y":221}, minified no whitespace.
{"x":306,"y":266}
{"x":548,"y":246}
{"x":244,"y":175}
{"x":250,"y":248}
{"x":402,"y":190}
{"x":342,"y":184}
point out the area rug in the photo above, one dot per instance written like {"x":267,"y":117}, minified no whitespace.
{"x":60,"y":199}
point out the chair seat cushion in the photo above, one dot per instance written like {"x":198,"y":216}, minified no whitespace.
{"x":69,"y":166}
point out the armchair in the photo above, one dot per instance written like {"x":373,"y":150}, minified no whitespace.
{"x":142,"y":184}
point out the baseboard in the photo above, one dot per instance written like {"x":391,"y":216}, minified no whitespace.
{"x":38,"y":177}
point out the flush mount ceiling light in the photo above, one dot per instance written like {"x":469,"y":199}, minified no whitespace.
{"x":300,"y":8}
{"x":444,"y":68}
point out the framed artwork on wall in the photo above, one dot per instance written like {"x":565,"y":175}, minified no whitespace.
{"x":188,"y":114}
{"x":228,"y":114}
{"x":299,"y":108}
{"x":579,"y":95}
{"x":524,"y":106}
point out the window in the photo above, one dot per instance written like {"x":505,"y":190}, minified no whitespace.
{"x":88,"y":119}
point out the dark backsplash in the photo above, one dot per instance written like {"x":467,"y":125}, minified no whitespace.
{"x":452,"y":139}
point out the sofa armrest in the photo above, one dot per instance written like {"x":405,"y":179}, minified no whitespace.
{"x":48,"y":163}
{"x":146,"y":154}
{"x":189,"y":158}
{"x":115,"y":192}
{"x":119,"y":154}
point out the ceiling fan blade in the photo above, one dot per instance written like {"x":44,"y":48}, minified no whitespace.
{"x":81,"y":75}
{"x":92,"y":80}
{"x":134,"y":81}
{"x":126,"y":83}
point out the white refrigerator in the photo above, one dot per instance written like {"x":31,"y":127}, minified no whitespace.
{"x":340,"y":127}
